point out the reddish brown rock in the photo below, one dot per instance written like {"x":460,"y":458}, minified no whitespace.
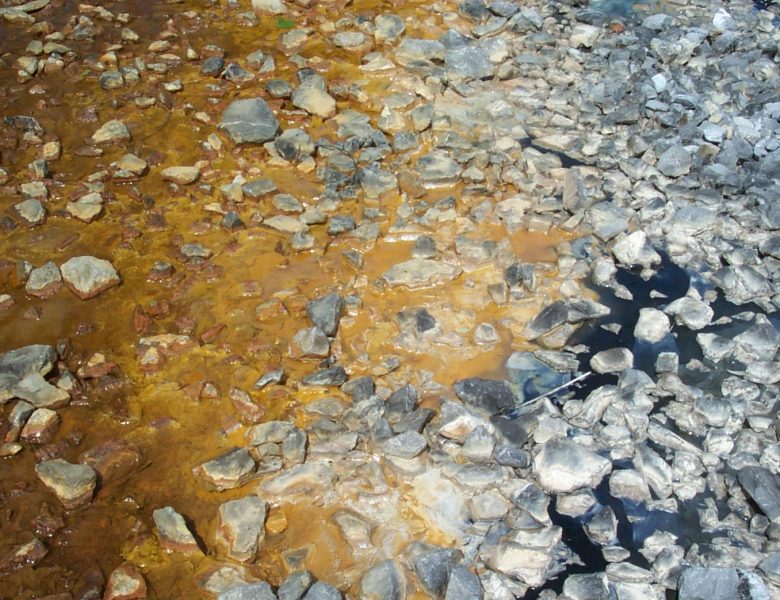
{"x":26,"y":554}
{"x":113,"y":460}
{"x":126,"y":583}
{"x":46,"y":523}
{"x":249,"y":412}
{"x":90,"y":585}
{"x":41,"y":426}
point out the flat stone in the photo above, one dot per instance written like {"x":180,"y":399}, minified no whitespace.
{"x":563,"y":466}
{"x":87,"y":208}
{"x":229,"y":470}
{"x":41,"y":426}
{"x":437,"y":168}
{"x":249,"y":121}
{"x":763,"y":487}
{"x":27,"y":554}
{"x":88,"y":276}
{"x":310,"y":343}
{"x":322,"y":591}
{"x":181,"y":175}
{"x":241,"y":527}
{"x":349,"y":39}
{"x":635,"y":249}
{"x":674,"y":162}
{"x":550,"y":317}
{"x":491,"y":396}
{"x":330,"y":376}
{"x":652,"y":326}
{"x":388,"y":27}
{"x":113,"y":131}
{"x":73,"y":484}
{"x":382,"y":582}
{"x":613,"y":360}
{"x":269,"y":7}
{"x":305,"y":478}
{"x":710,"y":583}
{"x":173,"y":532}
{"x":126,"y":583}
{"x":463,"y":585}
{"x":312,"y":96}
{"x":433,"y":567}
{"x":355,"y":528}
{"x":135,"y":165}
{"x":406,"y":445}
{"x":113,"y":460}
{"x":32,"y":211}
{"x":286,"y":224}
{"x":45,"y":281}
{"x":691,"y":312}
{"x":40,"y":393}
{"x":420,"y":273}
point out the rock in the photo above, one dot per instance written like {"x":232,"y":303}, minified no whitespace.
{"x":113,"y":460}
{"x":40,"y":393}
{"x":73,"y":484}
{"x":406,"y":445}
{"x":325,"y":312}
{"x":635,"y":249}
{"x":249,"y":121}
{"x":613,"y":360}
{"x":286,"y":224}
{"x":708,"y":583}
{"x":349,"y":39}
{"x":305,"y":478}
{"x":181,"y":175}
{"x":18,"y":364}
{"x":433,"y":567}
{"x":322,"y":591}
{"x":584,"y":35}
{"x":375,"y":181}
{"x":388,"y":28}
{"x":674,"y":162}
{"x":763,"y":487}
{"x":269,"y":7}
{"x":241,"y":527}
{"x":585,"y":586}
{"x":88,"y":276}
{"x":438,"y":169}
{"x":441,"y":503}
{"x":382,"y":582}
{"x":312,"y":96}
{"x":173,"y":532}
{"x":27,"y":554}
{"x":691,"y":312}
{"x":355,"y":528}
{"x":132,"y":164}
{"x":32,"y":211}
{"x":112,"y":132}
{"x":44,"y":281}
{"x":652,"y":326}
{"x":87,"y":208}
{"x":41,"y":426}
{"x":563,"y":466}
{"x":550,"y":317}
{"x":491,"y":396}
{"x":467,"y":62}
{"x":420,"y":273}
{"x":330,"y":376}
{"x":230,"y":470}
{"x":125,"y":583}
{"x":629,"y":484}
{"x":463,"y":585}
{"x":295,"y":586}
{"x":414,"y":49}
{"x":310,"y":343}
{"x":248,"y":591}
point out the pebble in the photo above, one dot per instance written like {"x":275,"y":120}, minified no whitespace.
{"x":73,"y":484}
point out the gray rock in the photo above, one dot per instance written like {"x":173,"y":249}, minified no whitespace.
{"x":463,"y":585}
{"x":31,"y":210}
{"x":249,"y":121}
{"x":406,"y":445}
{"x":45,"y":281}
{"x":322,"y":591}
{"x":27,"y":360}
{"x":349,"y":39}
{"x":295,"y":586}
{"x":248,"y":591}
{"x":173,"y":531}
{"x":433,"y":567}
{"x":212,"y":66}
{"x":613,"y":360}
{"x":383,"y":582}
{"x":708,"y":583}
{"x":585,"y":586}
{"x":181,"y":174}
{"x":312,"y":96}
{"x":355,"y":528}
{"x":674,"y":162}
{"x":635,"y":249}
{"x":550,"y":317}
{"x":269,"y":7}
{"x":763,"y":487}
{"x":111,"y":132}
{"x":691,"y":312}
{"x":563,"y":466}
{"x":311,"y":343}
{"x":73,"y":484}
{"x":438,"y":169}
{"x":491,"y":396}
{"x":305,"y":478}
{"x":652,"y":326}
{"x":413,"y":49}
{"x":40,"y":393}
{"x":88,"y":276}
{"x":229,"y":470}
{"x":325,"y":312}
{"x":258,"y":187}
{"x":241,"y":527}
{"x":330,"y":376}
{"x":388,"y":28}
{"x":466,"y":63}
{"x":420,"y":273}
{"x":375,"y":181}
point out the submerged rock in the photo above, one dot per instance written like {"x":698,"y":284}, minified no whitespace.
{"x":88,"y":276}
{"x":241,"y":527}
{"x":421,"y":272}
{"x":73,"y":484}
{"x":249,"y":121}
{"x":563,"y":466}
{"x":173,"y":531}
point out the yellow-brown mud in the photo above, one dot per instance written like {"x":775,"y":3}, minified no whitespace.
{"x":146,"y":221}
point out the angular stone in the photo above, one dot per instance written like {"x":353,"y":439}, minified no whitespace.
{"x":181,"y":175}
{"x":241,"y":527}
{"x":433,"y":567}
{"x":325,"y":312}
{"x":87,"y":208}
{"x":383,"y":582}
{"x":330,"y":376}
{"x":229,"y":470}
{"x":674,"y":162}
{"x":126,"y":583}
{"x":248,"y":591}
{"x":44,"y":281}
{"x":322,"y":591}
{"x":112,"y":131}
{"x":635,"y":249}
{"x":491,"y":396}
{"x":305,"y":478}
{"x":310,"y":343}
{"x":563,"y":466}
{"x":420,"y":273}
{"x":269,"y":7}
{"x":763,"y":487}
{"x":173,"y":532}
{"x":406,"y":445}
{"x":463,"y":585}
{"x":32,"y":211}
{"x":550,"y":317}
{"x":652,"y":326}
{"x":41,"y":426}
{"x":88,"y":276}
{"x":710,"y":583}
{"x":388,"y":27}
{"x":312,"y":96}
{"x":613,"y":360}
{"x":72,"y":484}
{"x":355,"y":528}
{"x":438,"y":169}
{"x":691,"y":312}
{"x":249,"y":121}
{"x":40,"y":393}
{"x":27,"y":554}
{"x":113,"y":460}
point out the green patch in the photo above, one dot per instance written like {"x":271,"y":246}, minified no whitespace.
{"x":283,"y":23}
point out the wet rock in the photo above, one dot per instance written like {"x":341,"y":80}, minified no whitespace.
{"x":248,"y":591}
{"x":32,"y":211}
{"x":88,"y":276}
{"x":550,"y":317}
{"x":286,"y":224}
{"x":295,"y":586}
{"x":383,"y":582}
{"x":330,"y":376}
{"x":269,"y":7}
{"x":491,"y":396}
{"x":132,"y":164}
{"x":325,"y":312}
{"x":433,"y":567}
{"x":629,"y":484}
{"x":441,"y":503}
{"x":463,"y":585}
{"x":311,"y":343}
{"x":87,"y":208}
{"x":585,"y":586}
{"x":72,"y":484}
{"x":691,"y":312}
{"x":173,"y":532}
{"x":126,"y":583}
{"x":355,"y":528}
{"x":420,"y":272}
{"x":375,"y":181}
{"x":22,"y":555}
{"x":305,"y":478}
{"x":322,"y":591}
{"x":414,"y":49}
{"x":388,"y":28}
{"x":467,"y":62}
{"x":406,"y":445}
{"x":230,"y":470}
{"x":349,"y":39}
{"x":249,"y":121}
{"x":181,"y":175}
{"x":652,"y":326}
{"x":112,"y":132}
{"x":613,"y":360}
{"x":41,"y":426}
{"x":763,"y":487}
{"x":674,"y":162}
{"x":709,"y":583}
{"x":635,"y":249}
{"x":270,"y":432}
{"x":44,"y":281}
{"x":113,"y":460}
{"x":563,"y":466}
{"x":241,"y":527}
{"x":438,"y":169}
{"x":312,"y":96}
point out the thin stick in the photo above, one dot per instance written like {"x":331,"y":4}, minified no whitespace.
{"x":560,"y":387}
